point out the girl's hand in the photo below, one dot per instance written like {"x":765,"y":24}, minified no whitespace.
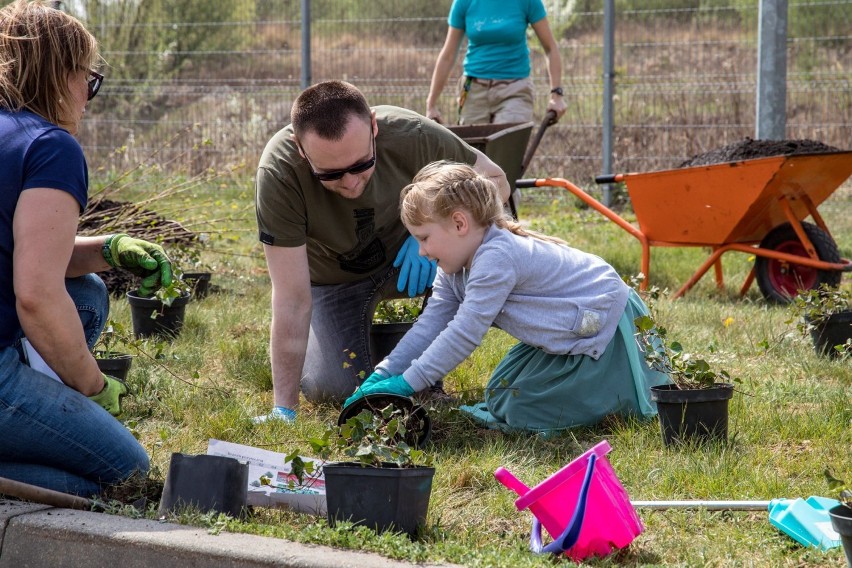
{"x":393,"y":385}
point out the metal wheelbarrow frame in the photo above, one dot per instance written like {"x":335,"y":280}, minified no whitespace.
{"x":754,"y":206}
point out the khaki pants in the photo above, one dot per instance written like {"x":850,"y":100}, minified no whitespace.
{"x":497,"y":101}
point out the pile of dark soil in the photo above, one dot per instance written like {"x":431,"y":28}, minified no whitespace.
{"x":104,"y":216}
{"x":750,"y":148}
{"x":137,"y":491}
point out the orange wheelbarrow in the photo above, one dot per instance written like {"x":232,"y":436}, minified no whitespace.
{"x":754,"y":206}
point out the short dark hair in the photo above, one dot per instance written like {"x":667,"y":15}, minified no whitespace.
{"x":325,"y":109}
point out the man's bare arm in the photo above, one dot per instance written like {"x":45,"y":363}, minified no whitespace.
{"x":291,"y":320}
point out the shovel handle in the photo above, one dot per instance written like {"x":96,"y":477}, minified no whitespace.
{"x":42,"y":495}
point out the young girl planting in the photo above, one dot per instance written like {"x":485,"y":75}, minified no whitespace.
{"x":576,"y":361}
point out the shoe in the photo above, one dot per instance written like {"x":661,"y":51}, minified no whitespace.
{"x":281,"y":413}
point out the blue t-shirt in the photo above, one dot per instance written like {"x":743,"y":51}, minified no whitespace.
{"x":497,"y":35}
{"x":34,"y":153}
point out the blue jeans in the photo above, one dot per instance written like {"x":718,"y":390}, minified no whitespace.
{"x":340,"y":326}
{"x":55,"y":437}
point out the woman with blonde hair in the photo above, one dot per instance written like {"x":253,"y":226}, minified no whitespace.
{"x":577,"y":360}
{"x":57,"y":427}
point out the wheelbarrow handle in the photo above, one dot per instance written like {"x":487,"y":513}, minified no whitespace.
{"x":548,"y":120}
{"x":607,"y":178}
{"x":525,"y":183}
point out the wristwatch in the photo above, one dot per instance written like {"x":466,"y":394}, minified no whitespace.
{"x":557,"y":91}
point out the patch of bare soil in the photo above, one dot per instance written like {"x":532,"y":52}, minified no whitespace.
{"x":137,"y":491}
{"x":749,"y":148}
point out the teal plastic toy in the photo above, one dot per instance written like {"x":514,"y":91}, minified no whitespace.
{"x":805,"y":520}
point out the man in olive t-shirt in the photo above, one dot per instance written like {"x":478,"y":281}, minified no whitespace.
{"x":328,"y":217}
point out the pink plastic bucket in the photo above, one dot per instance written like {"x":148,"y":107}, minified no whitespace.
{"x":610,"y":521}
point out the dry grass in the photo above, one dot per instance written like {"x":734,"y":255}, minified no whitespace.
{"x":681,"y":89}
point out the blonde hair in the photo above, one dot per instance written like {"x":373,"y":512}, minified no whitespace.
{"x":39,"y":47}
{"x":441,"y":188}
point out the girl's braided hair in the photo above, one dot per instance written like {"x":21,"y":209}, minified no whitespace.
{"x":442,"y":187}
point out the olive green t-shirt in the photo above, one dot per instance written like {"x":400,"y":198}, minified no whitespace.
{"x":349,"y":239}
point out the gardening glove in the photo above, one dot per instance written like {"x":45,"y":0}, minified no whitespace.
{"x":417,"y":272}
{"x":373,"y":379}
{"x":141,"y":258}
{"x":393,"y":385}
{"x":110,"y":396}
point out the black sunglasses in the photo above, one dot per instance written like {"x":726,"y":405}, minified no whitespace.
{"x":337,"y":174}
{"x":95,"y":84}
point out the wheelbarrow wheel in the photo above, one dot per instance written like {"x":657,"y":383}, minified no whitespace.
{"x":781,"y":281}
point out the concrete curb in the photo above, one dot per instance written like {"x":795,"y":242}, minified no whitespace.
{"x":39,"y":535}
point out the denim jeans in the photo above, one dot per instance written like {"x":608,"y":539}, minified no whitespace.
{"x":339,"y":340}
{"x":91,"y":298}
{"x":55,"y":437}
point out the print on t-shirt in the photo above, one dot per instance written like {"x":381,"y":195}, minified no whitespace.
{"x":369,"y":252}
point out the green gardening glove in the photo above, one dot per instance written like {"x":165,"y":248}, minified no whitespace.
{"x":141,"y":258}
{"x":110,"y":397}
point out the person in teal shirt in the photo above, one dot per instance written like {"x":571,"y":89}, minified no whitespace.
{"x":496,"y":86}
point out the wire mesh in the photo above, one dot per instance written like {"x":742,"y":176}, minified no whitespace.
{"x":685,"y":74}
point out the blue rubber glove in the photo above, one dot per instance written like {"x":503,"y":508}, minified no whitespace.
{"x":393,"y":385}
{"x":416,"y":272}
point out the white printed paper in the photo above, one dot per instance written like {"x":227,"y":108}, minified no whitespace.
{"x":271,"y":482}
{"x":35,"y":361}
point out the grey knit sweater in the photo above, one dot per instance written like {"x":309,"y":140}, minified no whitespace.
{"x":550,"y":296}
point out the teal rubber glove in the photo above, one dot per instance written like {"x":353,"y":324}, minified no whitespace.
{"x":416,"y":272}
{"x":144,"y":259}
{"x":373,"y":379}
{"x":110,"y":396}
{"x":392,"y":385}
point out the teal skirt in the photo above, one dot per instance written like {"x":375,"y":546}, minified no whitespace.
{"x":534,"y":390}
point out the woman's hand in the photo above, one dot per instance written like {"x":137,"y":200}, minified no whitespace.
{"x":433,"y":113}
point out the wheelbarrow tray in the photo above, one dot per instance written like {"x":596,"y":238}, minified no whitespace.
{"x":504,"y":143}
{"x":733,"y":202}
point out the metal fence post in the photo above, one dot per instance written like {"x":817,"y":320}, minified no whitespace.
{"x":771,"y":108}
{"x":306,"y":44}
{"x":608,"y":78}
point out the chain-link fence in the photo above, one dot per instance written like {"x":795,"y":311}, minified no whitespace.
{"x":685,"y":75}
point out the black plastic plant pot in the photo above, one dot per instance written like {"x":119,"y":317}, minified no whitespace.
{"x":151,"y":317}
{"x":418,"y":425}
{"x":382,"y":498}
{"x":206,"y":483}
{"x":115,"y":365}
{"x":384,"y":337}
{"x":841,"y":522}
{"x":833,"y":330}
{"x":693,"y":415}
{"x":199,"y":282}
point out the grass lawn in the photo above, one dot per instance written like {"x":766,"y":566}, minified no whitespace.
{"x":790,"y":417}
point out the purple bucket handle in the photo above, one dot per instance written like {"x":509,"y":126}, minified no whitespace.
{"x":569,"y":536}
